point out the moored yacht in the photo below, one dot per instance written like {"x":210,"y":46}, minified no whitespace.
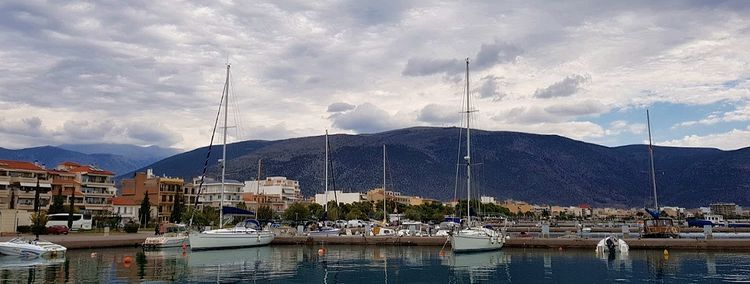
{"x":27,"y":248}
{"x":473,"y":238}
{"x":245,"y":234}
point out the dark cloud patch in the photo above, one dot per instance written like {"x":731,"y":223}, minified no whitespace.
{"x":575,"y":109}
{"x":424,"y":67}
{"x":488,"y":88}
{"x":439,"y":114}
{"x":365,"y":118}
{"x":496,"y":53}
{"x":567,"y":87}
{"x":153,"y":134}
{"x":339,"y":107}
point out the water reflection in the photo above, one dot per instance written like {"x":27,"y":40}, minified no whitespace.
{"x":376,"y":264}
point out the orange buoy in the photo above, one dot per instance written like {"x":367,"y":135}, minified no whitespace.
{"x":560,"y":248}
{"x":442,"y":253}
{"x":321,"y":251}
{"x":93,"y":254}
{"x":127,"y":261}
{"x":184,"y":246}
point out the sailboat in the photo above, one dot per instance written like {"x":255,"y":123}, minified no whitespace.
{"x":473,"y":238}
{"x":325,"y":230}
{"x":247,"y":233}
{"x":657,"y":227}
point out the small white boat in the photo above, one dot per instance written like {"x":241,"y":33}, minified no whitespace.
{"x":244,"y":234}
{"x":26,"y":248}
{"x":176,"y":236}
{"x":325,"y":231}
{"x":612,"y":244}
{"x":379,"y":231}
{"x":476,"y":239}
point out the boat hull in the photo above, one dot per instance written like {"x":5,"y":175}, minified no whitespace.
{"x":475,"y":243}
{"x":208,"y":241}
{"x":165,"y":242}
{"x":34,"y":249}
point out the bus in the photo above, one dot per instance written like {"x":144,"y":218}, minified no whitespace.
{"x":80,"y":221}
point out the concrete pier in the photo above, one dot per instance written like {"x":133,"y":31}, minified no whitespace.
{"x":90,"y":241}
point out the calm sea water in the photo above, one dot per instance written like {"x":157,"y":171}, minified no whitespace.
{"x":370,"y":264}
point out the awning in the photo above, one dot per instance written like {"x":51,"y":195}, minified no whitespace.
{"x":237,"y":211}
{"x":28,"y":184}
{"x":2,"y":182}
{"x":46,"y":185}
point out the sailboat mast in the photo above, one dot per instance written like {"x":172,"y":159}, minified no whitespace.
{"x":326,"y":171}
{"x":651,"y":157}
{"x":384,"y":197}
{"x":468,"y":148}
{"x":224,"y":150}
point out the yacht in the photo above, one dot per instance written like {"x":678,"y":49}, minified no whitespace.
{"x":473,"y":238}
{"x":247,"y":233}
{"x":612,"y":244}
{"x":27,"y":248}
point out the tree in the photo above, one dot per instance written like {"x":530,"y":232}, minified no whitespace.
{"x":412,"y":213}
{"x":242,"y":206}
{"x":57,"y":205}
{"x":297,"y":212}
{"x":177,"y":209}
{"x":355,"y":213}
{"x":39,"y":223}
{"x":316,"y":210}
{"x":145,"y":210}
{"x":265,"y":213}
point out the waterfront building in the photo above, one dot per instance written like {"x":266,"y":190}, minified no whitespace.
{"x":254,"y":201}
{"x":487,"y":199}
{"x":342,"y":197}
{"x":287,"y":190}
{"x":18,"y":180}
{"x":210,"y":193}
{"x":517,"y":207}
{"x":376,"y":194}
{"x":726,"y":209}
{"x":97,"y":186}
{"x":129,"y":210}
{"x":417,"y":200}
{"x":162,"y":191}
{"x":65,"y":184}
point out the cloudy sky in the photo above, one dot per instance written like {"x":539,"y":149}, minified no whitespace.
{"x":151,"y":72}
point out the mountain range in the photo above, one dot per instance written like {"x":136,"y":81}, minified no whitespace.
{"x":118,"y":158}
{"x":542,"y":169}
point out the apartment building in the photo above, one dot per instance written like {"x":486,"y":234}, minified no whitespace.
{"x":162,"y":191}
{"x":287,"y":190}
{"x":18,"y":182}
{"x":97,"y":186}
{"x":210,"y":192}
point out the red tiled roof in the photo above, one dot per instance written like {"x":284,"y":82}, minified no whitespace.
{"x":119,"y":200}
{"x":69,"y":192}
{"x":19,"y":165}
{"x":71,"y":164}
{"x":91,"y":170}
{"x":64,"y":181}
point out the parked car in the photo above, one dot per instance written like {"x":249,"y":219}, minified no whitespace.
{"x":341,"y":223}
{"x":58,"y":230}
{"x":355,"y":224}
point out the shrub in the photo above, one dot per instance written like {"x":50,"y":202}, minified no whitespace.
{"x":23,"y":229}
{"x":131,"y":228}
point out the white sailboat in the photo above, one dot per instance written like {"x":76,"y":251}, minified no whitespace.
{"x":245,"y":234}
{"x":473,"y":238}
{"x":325,"y":229}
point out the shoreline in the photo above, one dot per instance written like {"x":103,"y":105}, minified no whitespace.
{"x":94,"y":241}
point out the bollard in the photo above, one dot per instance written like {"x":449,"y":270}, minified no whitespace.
{"x":708,"y":231}
{"x":625,"y":231}
{"x":106,"y":231}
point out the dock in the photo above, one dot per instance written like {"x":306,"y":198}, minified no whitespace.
{"x":91,"y":241}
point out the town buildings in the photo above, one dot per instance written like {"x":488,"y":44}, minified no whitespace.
{"x":18,"y":182}
{"x":162,"y":191}
{"x":211,"y":192}
{"x":275,"y":190}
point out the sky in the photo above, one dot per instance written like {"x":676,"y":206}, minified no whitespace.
{"x":152,"y":72}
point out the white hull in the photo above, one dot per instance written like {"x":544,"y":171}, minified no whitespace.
{"x":166,"y":241}
{"x":472,"y":240}
{"x":221,"y":239}
{"x":324,"y":233}
{"x":618,"y":245}
{"x":25,"y":248}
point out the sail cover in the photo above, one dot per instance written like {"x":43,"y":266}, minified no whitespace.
{"x":236,"y":211}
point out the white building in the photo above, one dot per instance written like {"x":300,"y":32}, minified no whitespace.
{"x":210,"y":193}
{"x":487,"y":199}
{"x":281,"y":186}
{"x":340,"y":196}
{"x":129,"y":209}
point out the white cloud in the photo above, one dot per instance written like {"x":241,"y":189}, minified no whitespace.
{"x":733,"y":139}
{"x":107,"y":67}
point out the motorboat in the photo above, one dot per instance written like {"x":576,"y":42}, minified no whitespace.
{"x":612,"y":244}
{"x":176,"y":236}
{"x":28,"y":248}
{"x":245,"y":234}
{"x":708,"y":219}
{"x":381,"y":231}
{"x":324,"y":231}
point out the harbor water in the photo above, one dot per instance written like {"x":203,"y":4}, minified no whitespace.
{"x":374,"y":264}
